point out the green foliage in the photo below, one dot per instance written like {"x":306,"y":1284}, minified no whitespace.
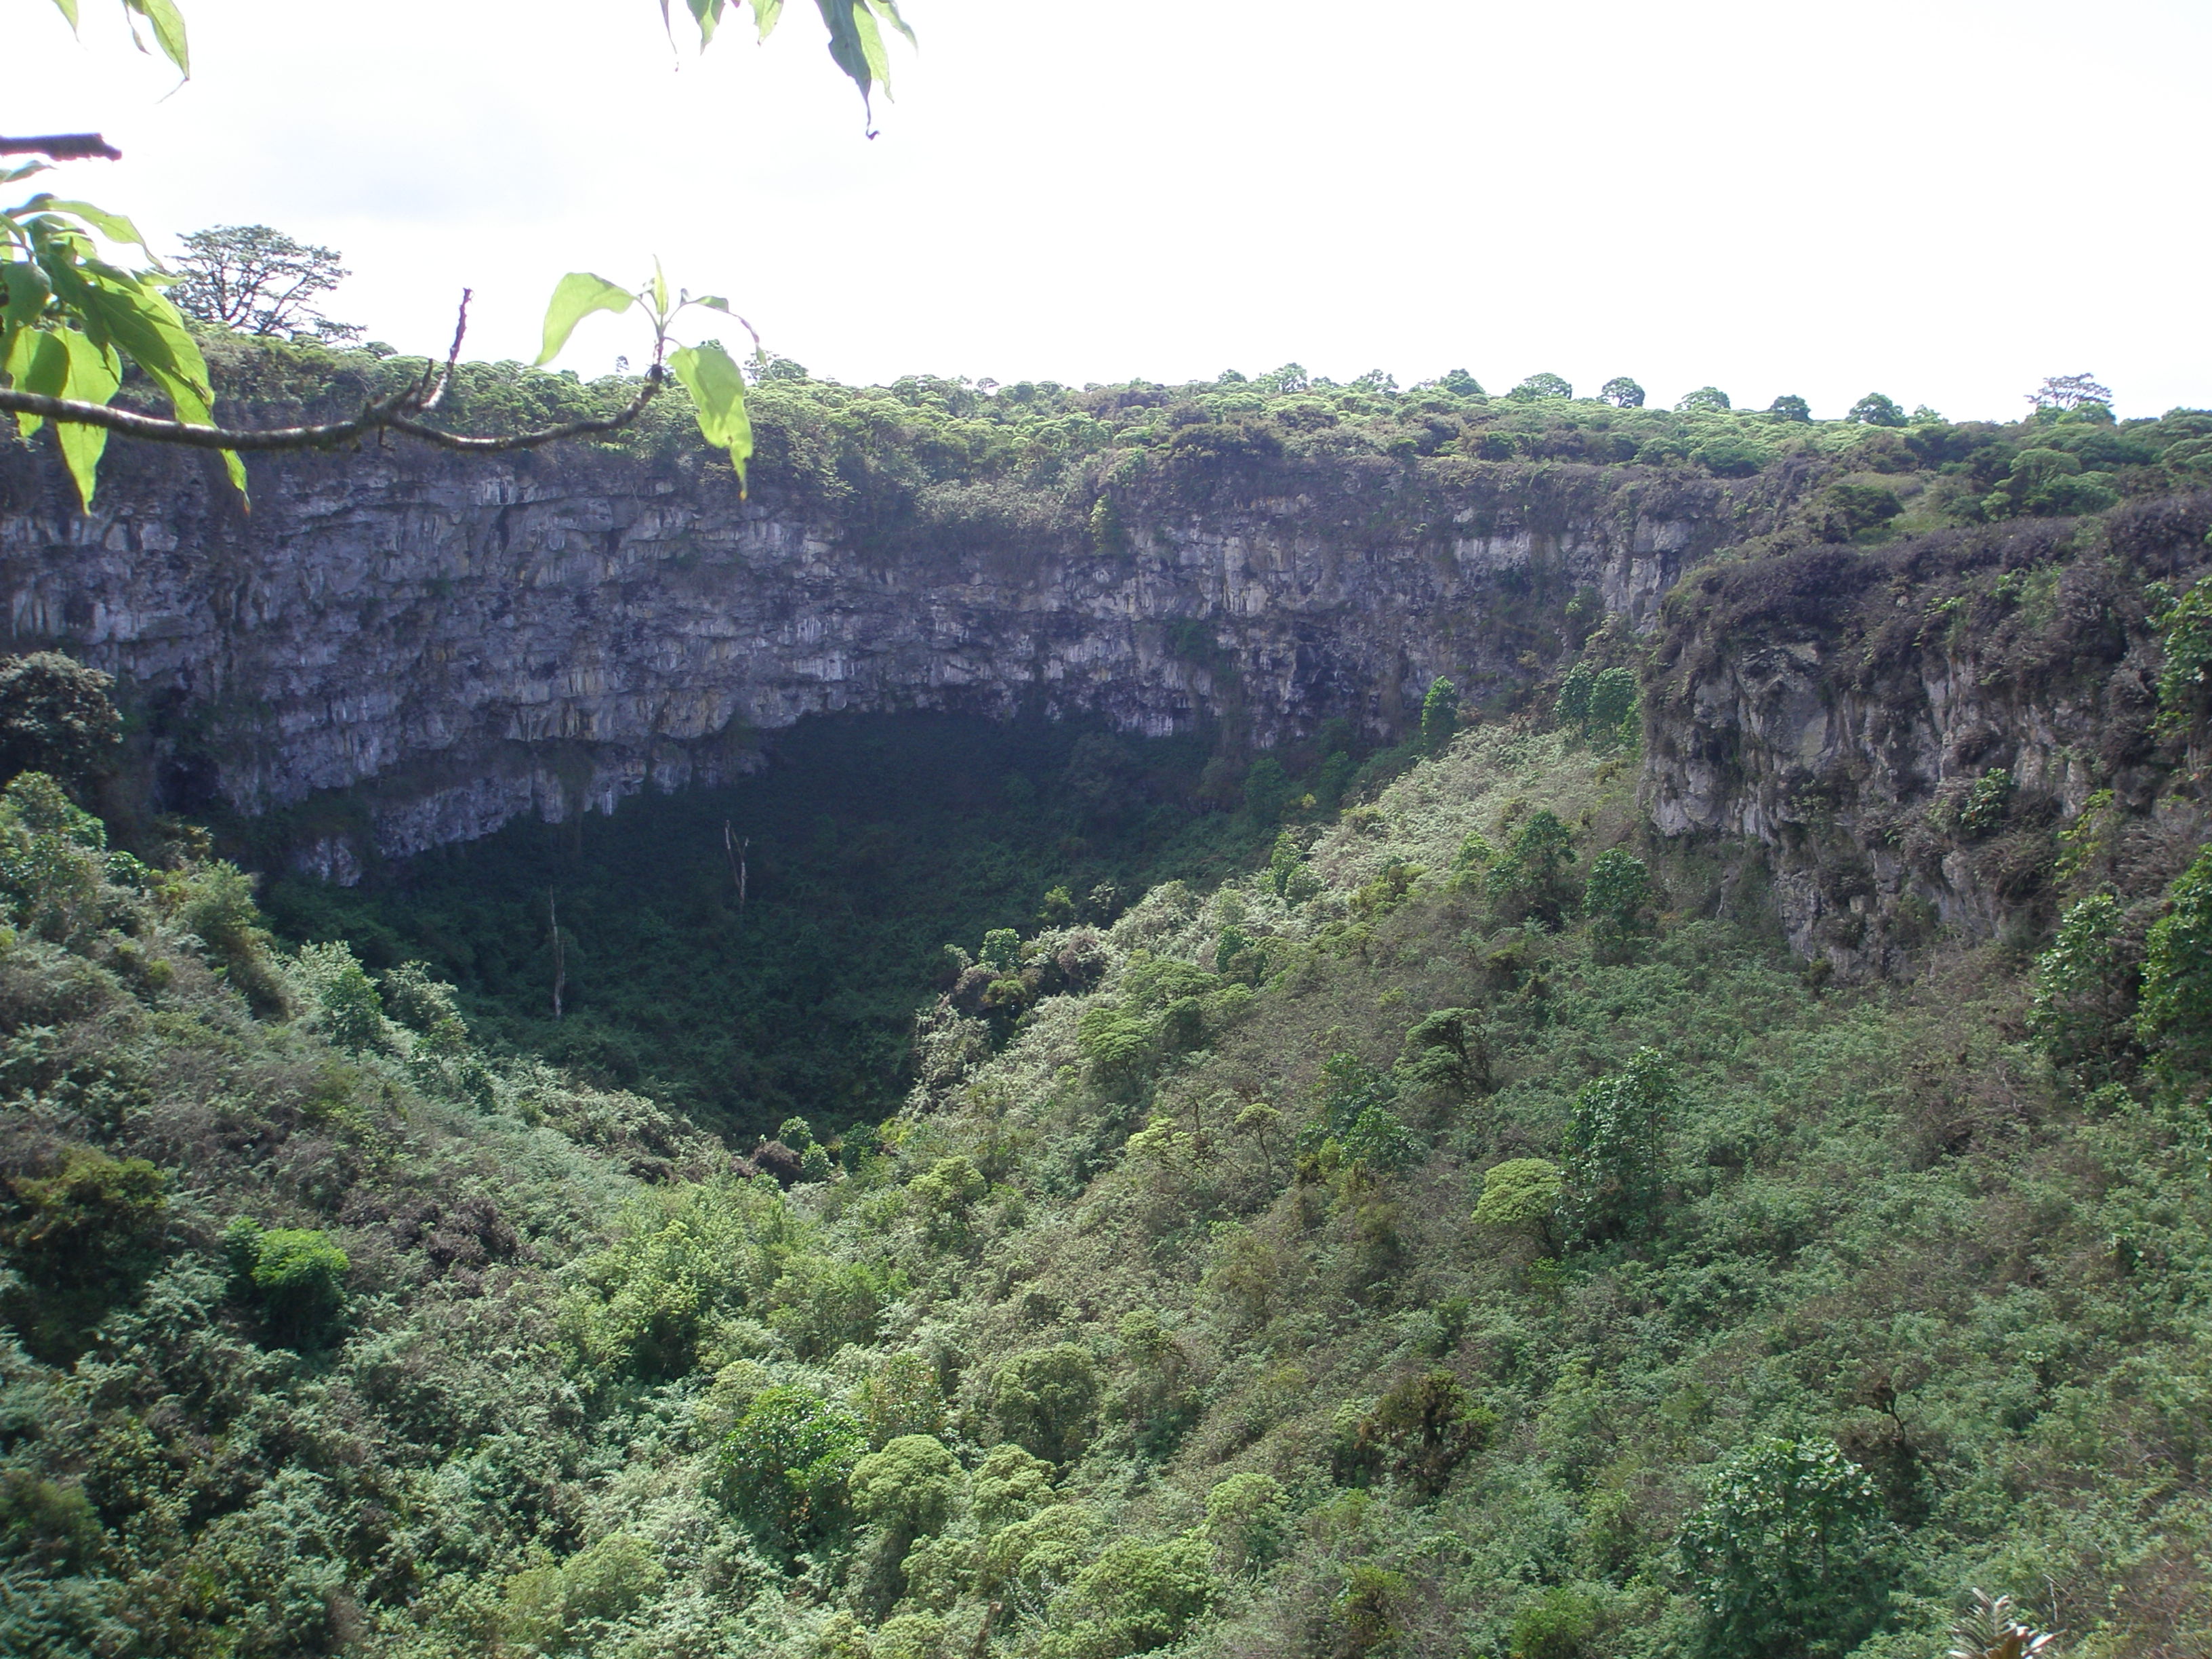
{"x":1539,"y":386}
{"x":1614,"y":1154}
{"x":907,"y":1488}
{"x":1522,"y":1196}
{"x":2083,"y":1009}
{"x":784,"y":1467}
{"x":1416,"y":1434}
{"x":1790,"y":407}
{"x":1248,"y":1516}
{"x":1269,"y":794}
{"x":1574,"y":686}
{"x":53,"y":860}
{"x":1439,"y":715}
{"x":682,"y":1260}
{"x":1789,"y":1554}
{"x":1531,"y":880}
{"x":1875,"y":408}
{"x":1705,"y":400}
{"x":1010,"y":1485}
{"x":294,"y":1275}
{"x":1046,"y":1401}
{"x":1616,"y":896}
{"x":2050,"y":481}
{"x":2184,"y":679}
{"x":1136,"y":1597}
{"x":2175,"y":1012}
{"x":57,"y":717}
{"x":1622,"y":392}
{"x":1355,"y":1124}
{"x":1562,"y":1622}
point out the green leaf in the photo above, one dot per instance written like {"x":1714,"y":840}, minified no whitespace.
{"x":707,"y":13}
{"x":718,"y":397}
{"x":38,"y":362}
{"x":713,"y":302}
{"x":767,"y":14}
{"x":575,"y":297}
{"x":93,"y":376}
{"x":27,"y":289}
{"x":659,"y":293}
{"x":890,"y":9}
{"x":855,"y":44}
{"x":168,"y":31}
{"x":112,"y":226}
{"x":68,"y":9}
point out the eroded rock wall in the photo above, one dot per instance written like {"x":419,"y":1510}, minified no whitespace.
{"x":1841,"y":708}
{"x":453,"y":642}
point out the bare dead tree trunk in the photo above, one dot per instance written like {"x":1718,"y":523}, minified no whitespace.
{"x":559,"y":955}
{"x":734,"y":850}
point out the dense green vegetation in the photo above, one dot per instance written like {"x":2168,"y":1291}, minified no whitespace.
{"x":867,"y":844}
{"x":1418,"y":1212}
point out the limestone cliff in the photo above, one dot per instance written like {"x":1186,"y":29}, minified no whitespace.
{"x":454,"y":642}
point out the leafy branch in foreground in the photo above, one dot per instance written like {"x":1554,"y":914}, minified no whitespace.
{"x":68,"y":319}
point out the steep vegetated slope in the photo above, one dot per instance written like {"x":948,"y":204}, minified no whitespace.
{"x":1470,"y":1228}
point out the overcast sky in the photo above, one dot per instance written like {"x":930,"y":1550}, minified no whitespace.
{"x":1942,"y":201}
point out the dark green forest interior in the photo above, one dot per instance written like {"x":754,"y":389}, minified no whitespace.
{"x":868,"y":844}
{"x":1439,"y":1218}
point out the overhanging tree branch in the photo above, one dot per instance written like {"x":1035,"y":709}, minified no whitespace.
{"x":63,"y":147}
{"x":399,"y":411}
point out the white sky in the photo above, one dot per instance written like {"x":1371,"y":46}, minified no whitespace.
{"x":1945,"y":200}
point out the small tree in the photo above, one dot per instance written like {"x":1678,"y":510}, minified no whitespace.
{"x":1876,"y":409}
{"x":907,"y":1488}
{"x":1521,"y":1196}
{"x":57,"y":717}
{"x":1705,"y":400}
{"x":1622,"y":392}
{"x":258,"y":281}
{"x":1614,"y":898}
{"x":785,"y":1465}
{"x":2176,"y":1016}
{"x":2065,"y":391}
{"x":1532,"y":876}
{"x":1788,"y":1556}
{"x":1047,"y":1401}
{"x":1573,"y":707}
{"x":1439,"y":715}
{"x":1790,"y":407}
{"x":294,"y":1275}
{"x":1616,"y":1146}
{"x":1537,"y":386}
{"x":1461,"y":384}
{"x":1611,"y":704}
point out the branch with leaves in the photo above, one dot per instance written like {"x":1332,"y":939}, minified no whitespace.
{"x":70,"y":320}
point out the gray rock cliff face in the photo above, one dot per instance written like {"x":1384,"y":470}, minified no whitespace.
{"x":455,"y":642}
{"x":1843,"y":707}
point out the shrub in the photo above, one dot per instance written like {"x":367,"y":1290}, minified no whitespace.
{"x":1268,"y":791}
{"x":53,"y":860}
{"x":786,"y":1465}
{"x":1573,"y":705}
{"x":907,"y":1488}
{"x":1355,"y":1123}
{"x":946,"y":1194}
{"x":1876,"y":409}
{"x":1522,"y":1195}
{"x":1011,"y":1484}
{"x":2084,"y":1005}
{"x":1439,"y":715}
{"x":1614,"y":1153}
{"x":1135,"y":1598}
{"x":1248,"y":1517}
{"x":1788,"y":1556}
{"x":2176,"y":1014}
{"x":295,"y":1275}
{"x":1047,"y":1401}
{"x":57,"y":717}
{"x":344,"y":996}
{"x":680,"y":1261}
{"x":2186,"y":679}
{"x":1614,"y":897}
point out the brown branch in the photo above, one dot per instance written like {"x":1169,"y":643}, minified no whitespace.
{"x":396,"y":412}
{"x":393,"y":413}
{"x":63,"y":147}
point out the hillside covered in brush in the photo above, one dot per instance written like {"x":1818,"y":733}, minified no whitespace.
{"x":1593,"y":1173}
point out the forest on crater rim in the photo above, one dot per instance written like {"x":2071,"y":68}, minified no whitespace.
{"x":1448,"y":1220}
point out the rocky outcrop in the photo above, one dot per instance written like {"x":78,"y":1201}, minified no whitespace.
{"x":447,"y":643}
{"x":1905,"y":729}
